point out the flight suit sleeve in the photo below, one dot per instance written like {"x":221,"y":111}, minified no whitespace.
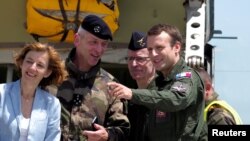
{"x":176,"y":95}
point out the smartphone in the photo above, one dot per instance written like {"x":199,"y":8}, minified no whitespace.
{"x":95,"y":120}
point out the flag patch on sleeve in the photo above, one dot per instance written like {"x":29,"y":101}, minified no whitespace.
{"x":183,"y":75}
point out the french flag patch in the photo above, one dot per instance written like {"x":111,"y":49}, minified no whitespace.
{"x":183,"y":75}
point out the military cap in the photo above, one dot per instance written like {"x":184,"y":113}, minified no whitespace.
{"x":137,"y":41}
{"x":96,"y":26}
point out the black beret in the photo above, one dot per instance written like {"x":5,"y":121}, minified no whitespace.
{"x":137,"y":41}
{"x":96,"y":26}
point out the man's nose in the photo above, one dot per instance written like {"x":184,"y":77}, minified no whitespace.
{"x":99,"y":48}
{"x":134,"y":62}
{"x":154,"y":53}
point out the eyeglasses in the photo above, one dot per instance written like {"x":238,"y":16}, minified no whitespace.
{"x":137,"y":59}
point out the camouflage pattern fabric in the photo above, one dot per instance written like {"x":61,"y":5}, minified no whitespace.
{"x":84,"y":96}
{"x":219,"y":116}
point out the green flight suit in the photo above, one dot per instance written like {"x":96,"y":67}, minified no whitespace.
{"x":178,"y":105}
{"x":83,"y":96}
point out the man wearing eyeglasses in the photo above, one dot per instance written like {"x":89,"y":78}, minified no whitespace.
{"x":142,"y":71}
{"x":139,"y":64}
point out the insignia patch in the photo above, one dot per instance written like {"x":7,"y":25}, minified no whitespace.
{"x":183,"y":75}
{"x":141,"y":43}
{"x":180,"y":87}
{"x":97,"y":29}
{"x":162,"y":116}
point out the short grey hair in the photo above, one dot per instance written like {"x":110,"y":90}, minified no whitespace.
{"x":81,"y":31}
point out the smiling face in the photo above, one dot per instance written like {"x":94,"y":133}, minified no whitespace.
{"x":89,"y":49}
{"x":139,"y":64}
{"x":35,"y":67}
{"x":163,"y":55}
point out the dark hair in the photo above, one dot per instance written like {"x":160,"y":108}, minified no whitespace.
{"x":173,"y":32}
{"x":56,"y":64}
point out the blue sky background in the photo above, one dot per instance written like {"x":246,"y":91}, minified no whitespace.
{"x":232,"y":56}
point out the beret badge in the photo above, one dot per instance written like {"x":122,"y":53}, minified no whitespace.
{"x":97,"y":29}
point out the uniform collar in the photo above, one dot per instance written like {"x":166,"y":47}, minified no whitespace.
{"x":74,"y":71}
{"x":177,"y":69}
{"x":152,"y":82}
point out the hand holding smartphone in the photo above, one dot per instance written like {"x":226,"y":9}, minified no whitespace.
{"x":95,"y":120}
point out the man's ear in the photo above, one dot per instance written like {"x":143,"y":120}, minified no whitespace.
{"x":48,"y":73}
{"x":208,"y":90}
{"x":177,"y":47}
{"x":208,"y":86}
{"x":77,"y":39}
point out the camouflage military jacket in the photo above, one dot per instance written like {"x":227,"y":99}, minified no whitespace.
{"x":84,"y":96}
{"x":178,"y":105}
{"x":218,"y":115}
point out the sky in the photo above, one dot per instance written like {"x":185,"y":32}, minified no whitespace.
{"x":232,"y":56}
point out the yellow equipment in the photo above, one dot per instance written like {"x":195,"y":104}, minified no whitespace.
{"x":58,"y":20}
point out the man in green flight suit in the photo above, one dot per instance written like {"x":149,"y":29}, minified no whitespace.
{"x":178,"y":97}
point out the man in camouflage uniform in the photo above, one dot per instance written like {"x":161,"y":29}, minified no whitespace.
{"x":178,"y":98}
{"x":84,"y":95}
{"x":217,"y":112}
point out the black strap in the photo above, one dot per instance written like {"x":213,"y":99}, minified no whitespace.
{"x":77,"y":21}
{"x":65,"y":20}
{"x":66,"y":23}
